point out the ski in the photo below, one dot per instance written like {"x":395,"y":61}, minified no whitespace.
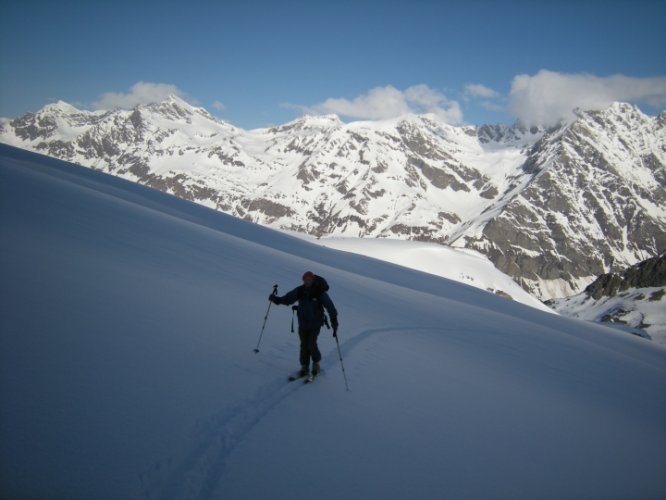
{"x":309,"y":377}
{"x":292,"y":378}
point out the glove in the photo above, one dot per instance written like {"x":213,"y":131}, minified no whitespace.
{"x":334,"y":324}
{"x":274,"y":298}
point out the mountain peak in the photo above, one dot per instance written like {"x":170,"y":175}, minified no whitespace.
{"x":310,"y":122}
{"x":517,"y":134}
{"x":330,"y":120}
{"x":621,"y":110}
{"x":173,"y":99}
{"x":60,"y":107}
{"x":173,"y":108}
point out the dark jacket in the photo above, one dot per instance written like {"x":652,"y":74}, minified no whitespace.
{"x":310,"y":307}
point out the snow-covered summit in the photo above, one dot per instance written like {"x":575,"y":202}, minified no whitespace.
{"x":61,"y":108}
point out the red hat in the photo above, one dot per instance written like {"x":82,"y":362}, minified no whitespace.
{"x":309,"y":275}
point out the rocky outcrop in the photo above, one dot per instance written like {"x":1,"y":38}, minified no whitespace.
{"x":646,"y":274}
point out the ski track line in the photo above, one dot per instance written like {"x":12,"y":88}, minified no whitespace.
{"x":199,"y":474}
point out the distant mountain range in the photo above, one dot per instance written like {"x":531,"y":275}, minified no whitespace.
{"x":552,"y":208}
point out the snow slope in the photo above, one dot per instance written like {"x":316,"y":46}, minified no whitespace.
{"x":128,"y":319}
{"x":458,"y":264}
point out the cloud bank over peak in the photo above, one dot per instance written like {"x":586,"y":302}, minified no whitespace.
{"x":543,"y":99}
{"x":382,"y":103}
{"x":550,"y":97}
{"x":139,"y":93}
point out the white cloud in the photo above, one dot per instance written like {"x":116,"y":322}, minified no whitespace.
{"x":388,"y":102}
{"x":139,"y":93}
{"x":548,"y":97}
{"x":477,"y":90}
{"x":377,"y":104}
{"x":219,"y":106}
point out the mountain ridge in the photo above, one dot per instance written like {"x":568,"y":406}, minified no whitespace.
{"x":551,"y":208}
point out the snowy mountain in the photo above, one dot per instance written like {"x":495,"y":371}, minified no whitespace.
{"x":128,"y":320}
{"x":595,"y":201}
{"x":635,"y":297}
{"x":553,"y":209}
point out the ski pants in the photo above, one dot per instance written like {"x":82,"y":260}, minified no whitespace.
{"x":309,"y":348}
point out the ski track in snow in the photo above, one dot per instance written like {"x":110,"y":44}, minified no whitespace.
{"x":199,"y":475}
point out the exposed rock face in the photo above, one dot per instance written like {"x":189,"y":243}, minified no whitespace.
{"x":646,"y":274}
{"x":634,"y":298}
{"x":551,"y":208}
{"x":595,"y":200}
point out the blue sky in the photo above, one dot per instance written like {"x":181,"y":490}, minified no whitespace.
{"x":259,"y":63}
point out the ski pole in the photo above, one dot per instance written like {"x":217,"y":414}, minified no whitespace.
{"x":256,"y":349}
{"x":293,"y":311}
{"x":344,"y":374}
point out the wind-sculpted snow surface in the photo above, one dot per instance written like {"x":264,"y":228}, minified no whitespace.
{"x":128,"y":322}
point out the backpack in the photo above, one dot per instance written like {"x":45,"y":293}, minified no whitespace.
{"x":319,"y":286}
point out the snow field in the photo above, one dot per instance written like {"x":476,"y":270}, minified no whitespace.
{"x":128,"y":320}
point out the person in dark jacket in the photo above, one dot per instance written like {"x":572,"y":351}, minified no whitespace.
{"x":312,"y":299}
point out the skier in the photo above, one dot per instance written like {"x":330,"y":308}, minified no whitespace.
{"x":312,"y":299}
